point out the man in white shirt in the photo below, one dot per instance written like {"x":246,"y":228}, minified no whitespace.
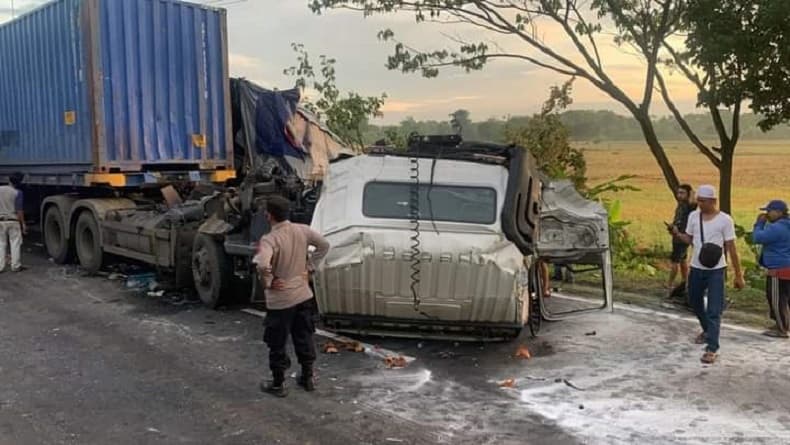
{"x":711,"y":233}
{"x":12,"y":222}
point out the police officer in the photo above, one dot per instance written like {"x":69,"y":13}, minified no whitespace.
{"x":284,"y":266}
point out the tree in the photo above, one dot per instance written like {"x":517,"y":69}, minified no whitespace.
{"x":549,"y":140}
{"x":346,"y":116}
{"x":460,"y":121}
{"x":737,"y":50}
{"x":668,"y":36}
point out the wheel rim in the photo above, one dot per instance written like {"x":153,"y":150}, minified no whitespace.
{"x":86,"y":243}
{"x":53,"y":235}
{"x":202,"y":269}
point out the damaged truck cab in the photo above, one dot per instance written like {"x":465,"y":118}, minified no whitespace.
{"x":438,"y":241}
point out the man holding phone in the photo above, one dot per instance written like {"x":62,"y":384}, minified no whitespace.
{"x":711,"y":232}
{"x":772,"y":231}
{"x":679,"y":256}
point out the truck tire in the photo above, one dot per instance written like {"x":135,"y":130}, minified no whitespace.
{"x":55,"y":236}
{"x":88,"y":242}
{"x":210,"y":270}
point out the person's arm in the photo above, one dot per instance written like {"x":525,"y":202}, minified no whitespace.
{"x":321,"y":245}
{"x":765,"y":235}
{"x":263,"y":261}
{"x":732,"y":252}
{"x":19,"y":206}
{"x":687,"y":237}
{"x":677,"y":221}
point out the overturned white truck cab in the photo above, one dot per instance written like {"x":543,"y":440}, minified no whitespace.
{"x":435,"y":241}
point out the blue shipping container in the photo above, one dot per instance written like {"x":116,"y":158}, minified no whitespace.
{"x":105,"y":86}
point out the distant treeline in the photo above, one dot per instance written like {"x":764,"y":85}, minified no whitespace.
{"x":583,"y":125}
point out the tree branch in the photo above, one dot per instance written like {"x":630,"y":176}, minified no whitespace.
{"x":684,"y":124}
{"x":652,"y":56}
{"x":506,"y":56}
{"x":736,"y":123}
{"x":584,"y":23}
{"x":690,"y":75}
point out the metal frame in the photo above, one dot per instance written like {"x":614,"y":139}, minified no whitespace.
{"x":416,"y":328}
{"x":606,"y":285}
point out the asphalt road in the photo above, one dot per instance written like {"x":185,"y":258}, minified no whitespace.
{"x":85,"y":361}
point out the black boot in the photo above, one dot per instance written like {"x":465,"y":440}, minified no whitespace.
{"x":276,"y":386}
{"x":306,"y":380}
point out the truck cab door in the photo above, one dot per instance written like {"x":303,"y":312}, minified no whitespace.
{"x":574,"y":241}
{"x":521,"y":211}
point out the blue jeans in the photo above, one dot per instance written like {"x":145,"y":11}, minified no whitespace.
{"x":709,"y":318}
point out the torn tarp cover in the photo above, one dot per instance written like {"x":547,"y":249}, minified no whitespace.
{"x":275,"y":125}
{"x":261,"y":117}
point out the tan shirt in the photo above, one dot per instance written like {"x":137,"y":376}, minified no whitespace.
{"x":283,"y":255}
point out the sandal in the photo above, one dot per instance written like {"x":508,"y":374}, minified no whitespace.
{"x":708,"y":358}
{"x":700,"y":339}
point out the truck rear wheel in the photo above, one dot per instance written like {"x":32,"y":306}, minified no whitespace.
{"x":210,"y":270}
{"x":88,"y":241}
{"x":55,"y":239}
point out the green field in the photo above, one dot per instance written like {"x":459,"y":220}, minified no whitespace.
{"x":761,"y":174}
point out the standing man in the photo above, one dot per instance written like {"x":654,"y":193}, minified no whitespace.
{"x":772,"y":230}
{"x":12,"y":222}
{"x":679,"y":256}
{"x":285,"y":269}
{"x":711,"y":232}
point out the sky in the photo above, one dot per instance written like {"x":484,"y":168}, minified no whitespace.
{"x":261,"y":33}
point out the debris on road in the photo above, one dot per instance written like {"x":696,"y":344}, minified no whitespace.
{"x":530,"y":377}
{"x":330,"y":348}
{"x":507,"y":383}
{"x":589,"y":334}
{"x":335,"y":346}
{"x":141,"y":281}
{"x":523,"y":353}
{"x":571,"y":385}
{"x":394,"y":362}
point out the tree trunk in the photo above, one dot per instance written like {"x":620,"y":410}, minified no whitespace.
{"x":658,"y":152}
{"x":725,"y":179}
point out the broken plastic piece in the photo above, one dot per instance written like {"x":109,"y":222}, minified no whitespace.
{"x":523,"y":353}
{"x":395,"y":362}
{"x":330,"y":348}
{"x":333,"y":347}
{"x":507,"y":383}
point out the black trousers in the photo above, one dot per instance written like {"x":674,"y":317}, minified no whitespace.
{"x":778,"y":294}
{"x":299,"y":323}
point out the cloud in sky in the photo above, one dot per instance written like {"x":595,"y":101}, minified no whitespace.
{"x":261,"y":32}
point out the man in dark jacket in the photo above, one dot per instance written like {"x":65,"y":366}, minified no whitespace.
{"x":772,"y":231}
{"x":679,"y":256}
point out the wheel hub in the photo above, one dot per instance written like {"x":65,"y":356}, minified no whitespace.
{"x":202,"y":267}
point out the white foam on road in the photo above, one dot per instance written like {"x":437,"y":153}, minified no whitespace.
{"x":371,"y":350}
